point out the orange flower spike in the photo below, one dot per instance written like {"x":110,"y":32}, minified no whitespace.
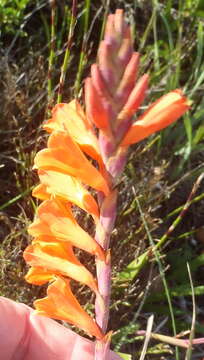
{"x":56,"y":220}
{"x":64,"y":155}
{"x":112,"y":96}
{"x":71,"y":119}
{"x":66,"y":188}
{"x":58,"y":258}
{"x":160,"y":114}
{"x":61,"y":304}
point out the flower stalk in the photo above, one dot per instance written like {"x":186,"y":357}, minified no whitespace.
{"x":112,"y":96}
{"x":104,"y":133}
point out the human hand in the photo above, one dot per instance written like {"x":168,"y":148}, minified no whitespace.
{"x":26,"y":336}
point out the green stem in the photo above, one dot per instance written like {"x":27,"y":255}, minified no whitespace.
{"x":82,"y":60}
{"x":52,"y":52}
{"x":67,"y":52}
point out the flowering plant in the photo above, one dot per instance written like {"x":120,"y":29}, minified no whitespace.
{"x":88,"y":150}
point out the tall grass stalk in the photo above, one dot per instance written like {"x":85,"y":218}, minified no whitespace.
{"x":67,"y":51}
{"x":192,"y":332}
{"x":52,"y":53}
{"x":135,"y":267}
{"x":82,"y":59}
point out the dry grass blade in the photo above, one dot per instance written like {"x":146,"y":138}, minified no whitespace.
{"x":147,"y":337}
{"x":192,"y":332}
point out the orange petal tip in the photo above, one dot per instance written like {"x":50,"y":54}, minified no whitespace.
{"x":158,"y":116}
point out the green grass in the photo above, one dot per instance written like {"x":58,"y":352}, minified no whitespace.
{"x":162,"y":170}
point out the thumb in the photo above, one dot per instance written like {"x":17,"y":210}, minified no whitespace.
{"x":24,"y":335}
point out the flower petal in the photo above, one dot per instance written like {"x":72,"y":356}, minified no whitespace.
{"x":127,"y":82}
{"x":61,"y":304}
{"x":59,"y":259}
{"x":160,"y":114}
{"x":71,"y":119}
{"x":40,"y":192}
{"x":66,"y":188}
{"x":135,"y":99}
{"x":65,"y":156}
{"x":56,"y":220}
{"x":38,"y":276}
{"x":95,"y":109}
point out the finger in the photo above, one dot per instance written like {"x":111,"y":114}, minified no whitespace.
{"x":24,"y":335}
{"x":13,"y":324}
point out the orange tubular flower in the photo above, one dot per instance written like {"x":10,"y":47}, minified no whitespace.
{"x":61,"y":304}
{"x":56,"y":220}
{"x":64,"y":155}
{"x":59,"y":259}
{"x":71,"y":119}
{"x":66,"y":188}
{"x":160,"y":114}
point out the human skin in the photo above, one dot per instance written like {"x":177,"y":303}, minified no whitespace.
{"x":26,"y":336}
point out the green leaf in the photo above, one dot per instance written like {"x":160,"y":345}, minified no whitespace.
{"x":182,"y":290}
{"x":124,"y":356}
{"x":133,"y":268}
{"x":200,"y":5}
{"x":199,"y":135}
{"x":200,"y":13}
